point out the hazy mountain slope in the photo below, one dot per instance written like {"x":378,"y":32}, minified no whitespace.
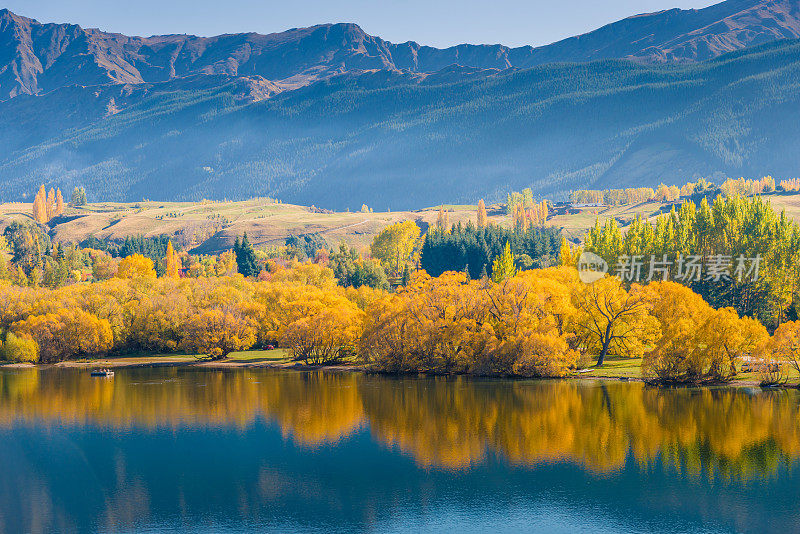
{"x":36,"y":58}
{"x":404,"y":140}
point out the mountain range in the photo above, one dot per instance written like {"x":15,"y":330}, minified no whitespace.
{"x":334,"y":116}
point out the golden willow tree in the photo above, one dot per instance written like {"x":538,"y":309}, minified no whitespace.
{"x":613,"y":320}
{"x":452,"y":324}
{"x":696,"y":342}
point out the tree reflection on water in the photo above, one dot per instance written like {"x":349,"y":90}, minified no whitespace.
{"x":440,"y":422}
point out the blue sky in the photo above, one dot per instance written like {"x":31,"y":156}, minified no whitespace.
{"x":431,"y":22}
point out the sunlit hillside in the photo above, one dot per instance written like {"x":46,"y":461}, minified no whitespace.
{"x":213,"y":226}
{"x":210,"y":227}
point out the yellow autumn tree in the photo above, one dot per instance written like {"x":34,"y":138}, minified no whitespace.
{"x":323,"y":326}
{"x":697,"y":343}
{"x":483,"y":218}
{"x":19,"y":348}
{"x":530,"y":317}
{"x":612,"y":320}
{"x":784,"y":347}
{"x":135,"y":266}
{"x":50,"y":204}
{"x":66,"y":333}
{"x":59,"y":202}
{"x":40,"y":206}
{"x":451,"y":324}
{"x":171,"y":261}
{"x":503,"y":266}
{"x":394,"y":246}
{"x":218,"y":332}
{"x":431,"y":324}
{"x":725,"y":339}
{"x":568,"y":254}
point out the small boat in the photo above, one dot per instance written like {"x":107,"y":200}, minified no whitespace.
{"x":108,"y":373}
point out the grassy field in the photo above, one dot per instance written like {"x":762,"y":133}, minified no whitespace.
{"x":615,"y":367}
{"x":259,"y":356}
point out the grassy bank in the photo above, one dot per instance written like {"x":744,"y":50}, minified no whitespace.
{"x":614,"y":368}
{"x":251,"y":358}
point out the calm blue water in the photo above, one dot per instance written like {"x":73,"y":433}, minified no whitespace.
{"x":170,"y":450}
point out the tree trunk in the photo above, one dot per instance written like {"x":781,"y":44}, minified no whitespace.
{"x":606,"y":344}
{"x":601,"y":358}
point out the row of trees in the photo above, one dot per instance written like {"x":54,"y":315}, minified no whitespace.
{"x":539,"y":322}
{"x":472,"y":249}
{"x":36,"y":260}
{"x":525,"y":212}
{"x":744,"y":187}
{"x":302,"y":309}
{"x":47,"y":205}
{"x":154,"y":247}
{"x":613,"y":197}
{"x":671,"y":193}
{"x":729,"y":229}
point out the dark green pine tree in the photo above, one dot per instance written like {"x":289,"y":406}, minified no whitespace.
{"x":246,"y":257}
{"x":406,"y":276}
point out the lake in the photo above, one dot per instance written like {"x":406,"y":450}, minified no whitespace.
{"x":188,"y":450}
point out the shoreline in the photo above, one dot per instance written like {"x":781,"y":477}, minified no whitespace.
{"x":144,"y":362}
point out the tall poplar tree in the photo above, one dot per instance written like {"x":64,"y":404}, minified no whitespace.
{"x":59,"y":202}
{"x":503,"y":267}
{"x":39,"y":206}
{"x":483,"y":218}
{"x":171,"y":262}
{"x":443,"y":220}
{"x":50,"y":203}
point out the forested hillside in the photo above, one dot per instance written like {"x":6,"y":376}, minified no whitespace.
{"x":397,"y":140}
